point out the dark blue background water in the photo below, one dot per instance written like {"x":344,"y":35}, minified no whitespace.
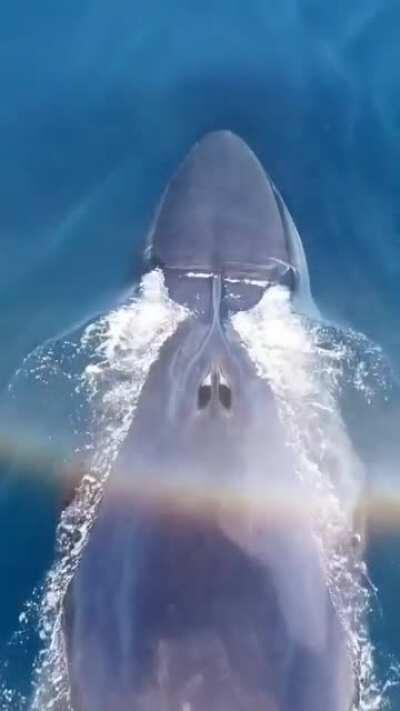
{"x":99,"y":102}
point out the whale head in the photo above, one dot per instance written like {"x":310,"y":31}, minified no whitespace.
{"x":222,"y":214}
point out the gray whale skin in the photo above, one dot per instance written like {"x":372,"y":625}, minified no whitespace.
{"x":186,"y":606}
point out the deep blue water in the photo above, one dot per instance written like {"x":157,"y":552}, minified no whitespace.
{"x":100,"y":101}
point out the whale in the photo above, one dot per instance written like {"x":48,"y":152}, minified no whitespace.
{"x":184,"y":600}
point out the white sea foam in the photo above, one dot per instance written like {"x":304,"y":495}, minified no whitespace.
{"x":304,"y":377}
{"x":122,"y":347}
{"x":118,"y":351}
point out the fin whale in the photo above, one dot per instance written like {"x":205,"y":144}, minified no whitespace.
{"x":178,"y":604}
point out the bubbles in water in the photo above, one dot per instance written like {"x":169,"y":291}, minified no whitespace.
{"x":306,"y":377}
{"x":119,"y":350}
{"x":307,"y":364}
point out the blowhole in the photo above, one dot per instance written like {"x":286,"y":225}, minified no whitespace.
{"x":203,"y":396}
{"x":225,"y":396}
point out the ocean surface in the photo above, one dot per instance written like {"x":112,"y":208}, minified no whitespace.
{"x":100,"y":102}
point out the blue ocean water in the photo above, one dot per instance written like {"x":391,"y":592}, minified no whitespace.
{"x":100,"y":101}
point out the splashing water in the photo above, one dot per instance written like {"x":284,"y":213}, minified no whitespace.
{"x":305,"y":377}
{"x":123,"y":345}
{"x":304,"y":365}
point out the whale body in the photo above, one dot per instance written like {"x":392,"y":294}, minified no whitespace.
{"x":179,"y":603}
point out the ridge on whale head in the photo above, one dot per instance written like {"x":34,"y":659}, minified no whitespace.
{"x":221,"y":215}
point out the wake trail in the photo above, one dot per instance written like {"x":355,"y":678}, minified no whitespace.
{"x":122,"y":346}
{"x":305,"y":378}
{"x":304,"y":364}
